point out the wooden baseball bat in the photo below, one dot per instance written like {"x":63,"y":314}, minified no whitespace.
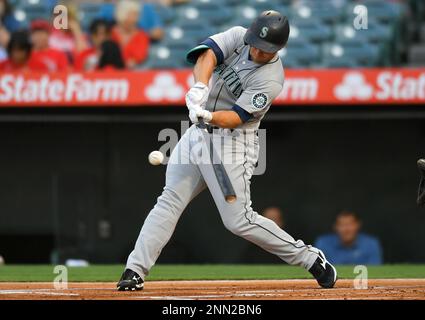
{"x":219,"y":170}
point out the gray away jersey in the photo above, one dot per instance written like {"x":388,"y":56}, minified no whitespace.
{"x":238,"y":83}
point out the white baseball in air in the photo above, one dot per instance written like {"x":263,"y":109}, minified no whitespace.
{"x":156,"y":158}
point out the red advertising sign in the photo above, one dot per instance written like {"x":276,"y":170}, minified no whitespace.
{"x":168,"y":87}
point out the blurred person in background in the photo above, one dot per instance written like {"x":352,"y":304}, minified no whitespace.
{"x":148,"y":20}
{"x":72,"y":41}
{"x":254,"y":254}
{"x":133,"y":41}
{"x":274,"y":214}
{"x":110,"y":57}
{"x":54,"y":59}
{"x":8,"y":22}
{"x":103,"y":54}
{"x":100,"y":31}
{"x":168,"y":3}
{"x":3,"y":54}
{"x":19,"y":55}
{"x":348,"y":245}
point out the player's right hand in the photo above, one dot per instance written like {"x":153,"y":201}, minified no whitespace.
{"x":193,"y":115}
{"x":197,"y":95}
{"x":197,"y":112}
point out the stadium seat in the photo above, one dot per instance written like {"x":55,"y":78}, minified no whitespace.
{"x":363,"y":53}
{"x":194,"y":35}
{"x":318,"y":10}
{"x":237,"y":22}
{"x":14,"y":3}
{"x":422,"y":33}
{"x":376,"y":34}
{"x":298,"y":41}
{"x":160,"y":64}
{"x":392,"y":16}
{"x":36,"y":11}
{"x":384,"y":11}
{"x":167,"y":14}
{"x":89,"y":7}
{"x":306,"y":53}
{"x":417,"y":54}
{"x":180,"y":43}
{"x":290,"y":62}
{"x":210,"y":12}
{"x":88,"y":12}
{"x":263,"y":5}
{"x":341,"y":62}
{"x":245,"y":12}
{"x":312,"y":29}
{"x":162,"y":57}
{"x":189,"y":26}
{"x":250,"y":10}
{"x":230,"y":3}
{"x":24,"y":3}
{"x":199,"y":4}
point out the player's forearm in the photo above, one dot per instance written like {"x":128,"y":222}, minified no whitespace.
{"x":226,"y":119}
{"x":204,"y":67}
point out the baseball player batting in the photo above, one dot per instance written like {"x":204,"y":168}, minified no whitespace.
{"x":237,"y":74}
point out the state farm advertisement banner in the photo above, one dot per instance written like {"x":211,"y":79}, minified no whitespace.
{"x":167,"y":88}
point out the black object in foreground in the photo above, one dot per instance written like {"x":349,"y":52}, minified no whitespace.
{"x":130,"y":281}
{"x":219,"y":170}
{"x":323,"y":272}
{"x":421,"y":189}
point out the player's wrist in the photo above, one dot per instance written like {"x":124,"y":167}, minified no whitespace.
{"x":201,"y":85}
{"x":207,"y":115}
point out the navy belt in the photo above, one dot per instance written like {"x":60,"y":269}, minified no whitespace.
{"x":207,"y":127}
{"x":210,"y":129}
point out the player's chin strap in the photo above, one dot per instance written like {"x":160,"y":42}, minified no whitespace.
{"x":421,"y":189}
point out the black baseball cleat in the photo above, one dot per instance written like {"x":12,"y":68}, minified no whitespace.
{"x":130,"y":281}
{"x":323,"y":271}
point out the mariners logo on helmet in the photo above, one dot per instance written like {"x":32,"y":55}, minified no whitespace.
{"x":259,"y":100}
{"x":264,"y":31}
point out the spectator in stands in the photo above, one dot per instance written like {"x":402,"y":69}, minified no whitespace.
{"x":110,"y":57}
{"x":100,"y":31}
{"x":168,"y":3}
{"x":274,"y":214}
{"x":72,"y":41}
{"x":134,"y":42}
{"x":148,"y":19}
{"x":54,"y":60}
{"x":3,"y":54}
{"x":104,"y":53}
{"x":254,"y":254}
{"x":8,"y":22}
{"x":348,"y":245}
{"x":19,"y":55}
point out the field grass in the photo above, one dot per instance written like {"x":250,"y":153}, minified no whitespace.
{"x":107,"y":273}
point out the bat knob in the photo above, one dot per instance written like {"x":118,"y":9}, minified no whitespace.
{"x":230,"y":199}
